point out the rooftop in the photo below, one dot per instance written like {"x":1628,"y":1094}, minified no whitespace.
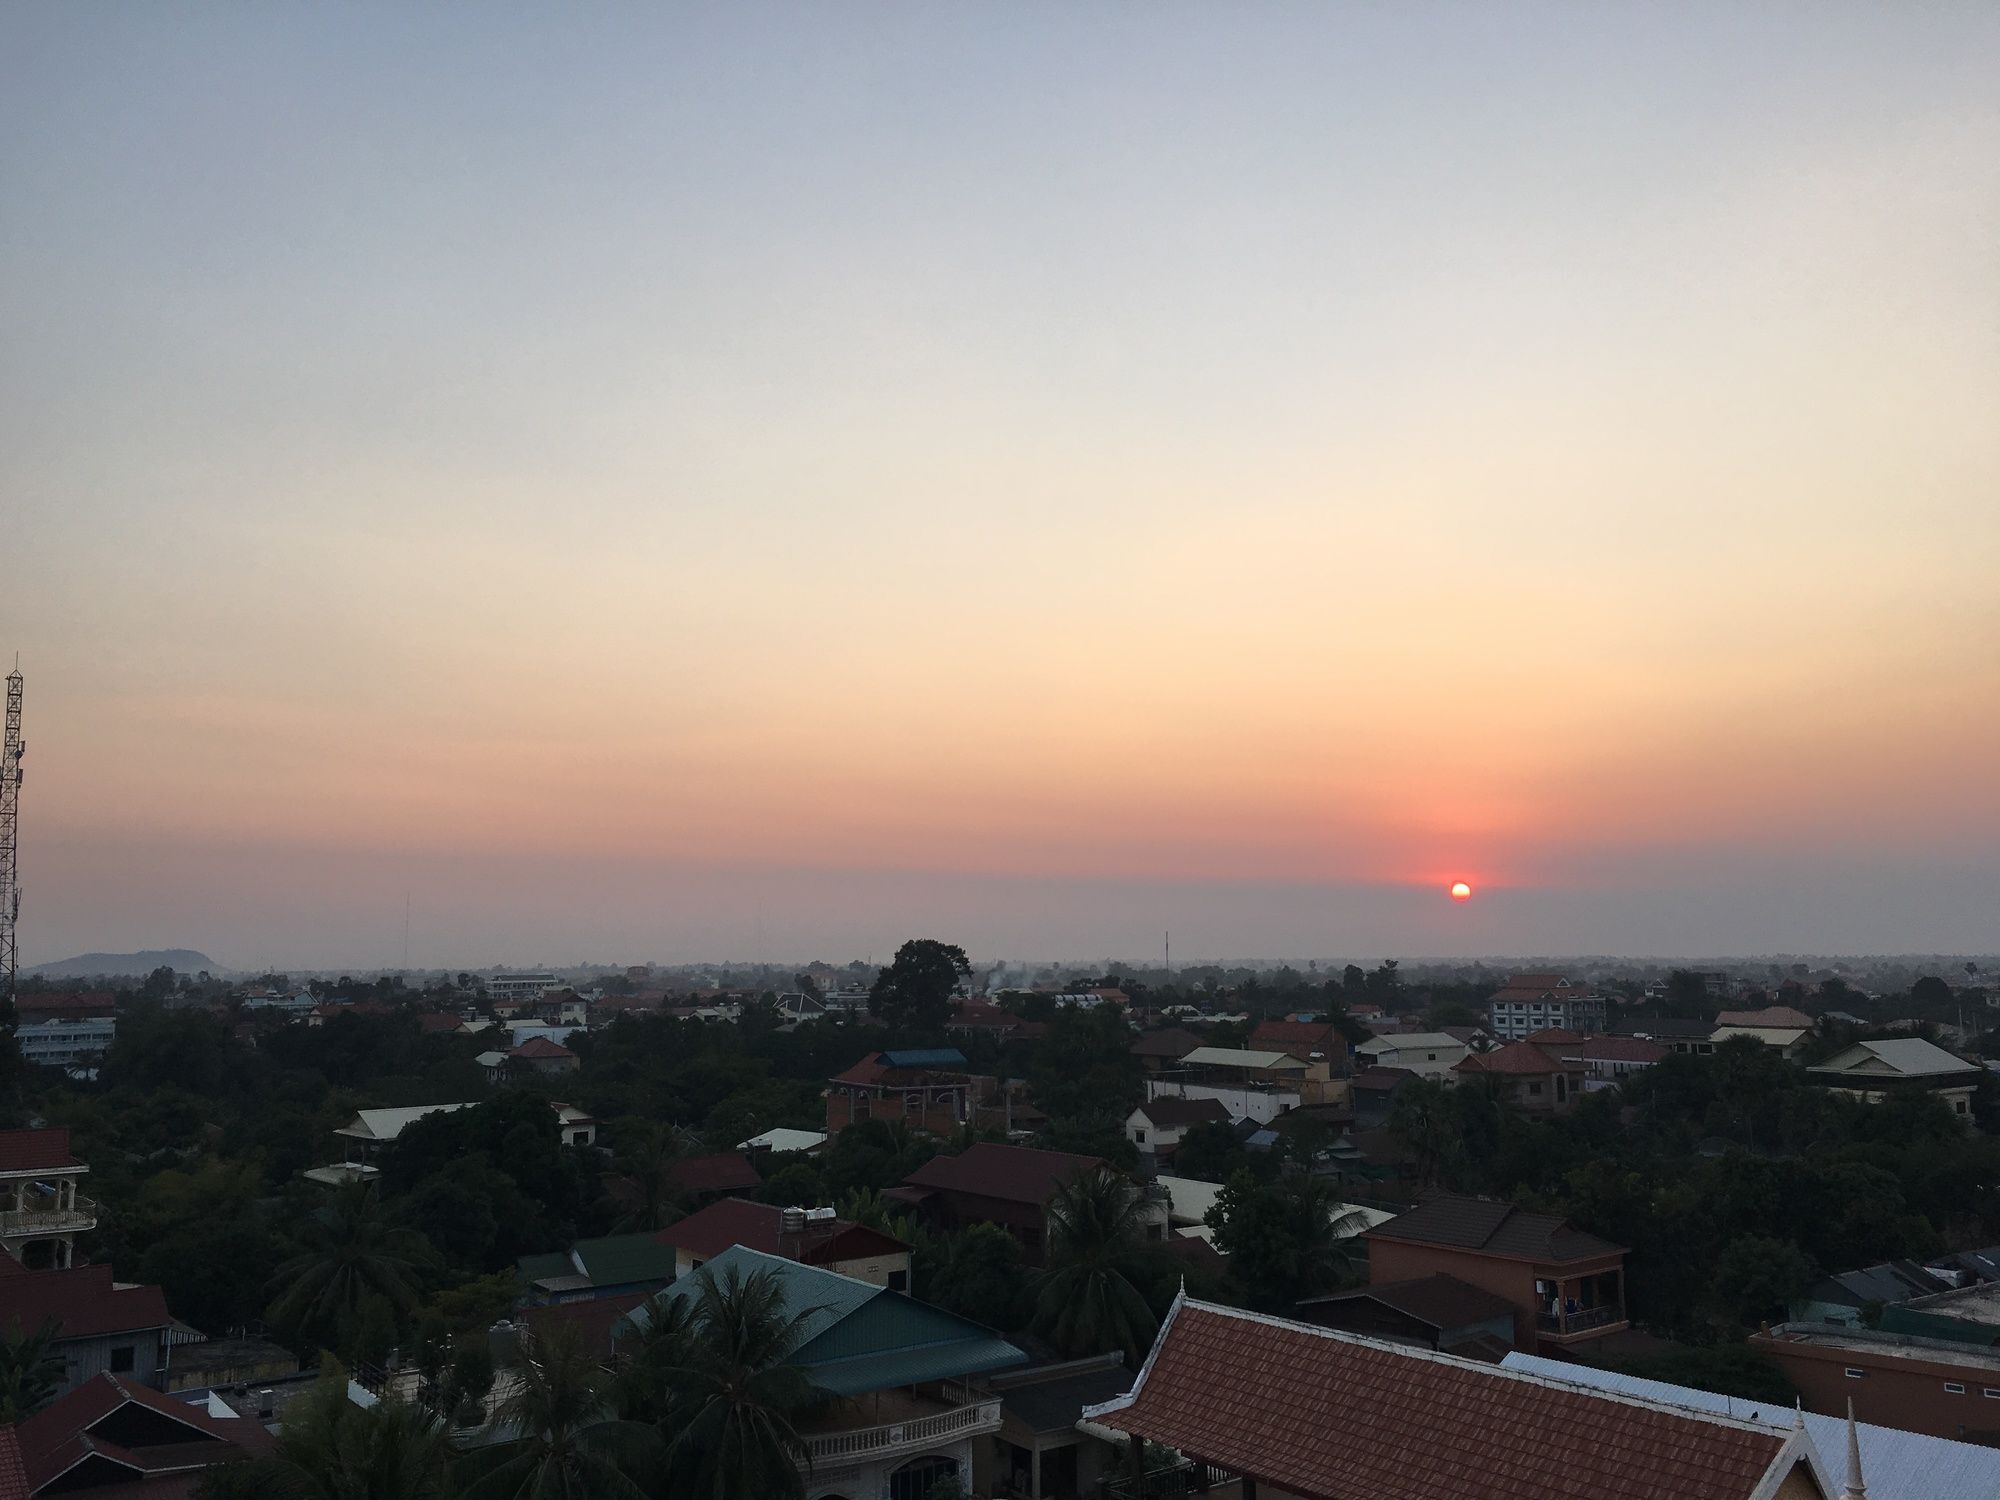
{"x":36,"y":1151}
{"x":1172,"y":1042}
{"x":1900,"y":1057}
{"x":1441,"y":1301}
{"x":84,"y":1302}
{"x":1169,"y":1112}
{"x":1518,"y":1059}
{"x":708,"y":1232}
{"x":1435,"y":1039}
{"x":1010,"y":1174}
{"x":1494,"y":1228}
{"x":1338,"y":1415}
{"x":387,"y":1124}
{"x":1243,"y":1057}
{"x":1882,"y":1345}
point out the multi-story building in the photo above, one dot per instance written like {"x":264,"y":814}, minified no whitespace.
{"x":1540,"y":1074}
{"x":1566,"y":1286}
{"x":102,"y":1326}
{"x":1942,"y":1387}
{"x":1251,"y":1084}
{"x":1528,"y":1003}
{"x":927,"y":1088}
{"x":42,"y":1210}
{"x":76,"y":1044}
{"x":513,"y":987}
{"x":902,"y":1417}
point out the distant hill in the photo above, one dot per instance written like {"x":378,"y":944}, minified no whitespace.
{"x":127,"y":965}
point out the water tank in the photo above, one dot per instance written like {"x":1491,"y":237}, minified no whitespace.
{"x":793,"y":1221}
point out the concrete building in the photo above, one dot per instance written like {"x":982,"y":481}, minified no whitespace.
{"x":1428,"y":1054}
{"x":1250,"y":1084}
{"x":510,"y":988}
{"x":1873,"y":1071}
{"x":70,"y":1045}
{"x":42,"y":1207}
{"x":102,"y":1326}
{"x":1535,"y":1074}
{"x":1528,"y":1003}
{"x":1942,"y":1387}
{"x":810,"y":1236}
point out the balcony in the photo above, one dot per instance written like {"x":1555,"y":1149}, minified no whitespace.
{"x":47,"y":1218}
{"x":921,"y":1423}
{"x":1575,"y":1323}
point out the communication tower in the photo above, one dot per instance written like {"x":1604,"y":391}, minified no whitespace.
{"x":10,"y":827}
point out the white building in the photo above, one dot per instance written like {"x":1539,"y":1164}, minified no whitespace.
{"x":520,"y":986}
{"x":66,"y":1044}
{"x":1428,"y":1054}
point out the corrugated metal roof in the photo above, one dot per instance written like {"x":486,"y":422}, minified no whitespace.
{"x":1241,"y":1057}
{"x":1897,"y":1465}
{"x":925,"y":1057}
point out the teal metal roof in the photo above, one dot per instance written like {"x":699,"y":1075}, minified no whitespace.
{"x":855,"y":1337}
{"x":925,"y":1057}
{"x":625,"y":1260}
{"x":536,"y":1267}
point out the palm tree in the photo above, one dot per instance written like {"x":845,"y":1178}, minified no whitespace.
{"x":332,"y":1449}
{"x":1087,"y":1298}
{"x":30,"y":1372}
{"x":739,"y":1397}
{"x":1420,"y":1120}
{"x":570,"y":1443}
{"x":1329,"y":1234}
{"x":352,"y":1253}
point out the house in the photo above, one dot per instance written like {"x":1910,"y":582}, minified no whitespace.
{"x":1162,"y":1049}
{"x":1897,"y":1465}
{"x":114,"y":1437}
{"x":574,"y":1127}
{"x":367,"y":1136}
{"x":1842,"y":1296}
{"x":1528,"y":1003}
{"x":972,"y":1018}
{"x":1566,"y":1286}
{"x":540,"y":1055}
{"x":1251,"y":1084}
{"x":928,"y":1088}
{"x":41,"y":1210}
{"x":1315,"y":1041}
{"x":102,"y":1326}
{"x":782,"y":1139}
{"x":1283,"y":1410}
{"x":1040,"y":1449}
{"x":596,"y":1321}
{"x":1676,"y":1034}
{"x":796,"y":1007}
{"x":606,"y":1267}
{"x":813,"y":1237}
{"x":1428,"y":1054}
{"x":1873,"y":1071}
{"x":1610,"y":1060}
{"x":1430,"y":1312}
{"x":441,"y":1023}
{"x":1785,"y":1030}
{"x":1532,"y":1074}
{"x":707,"y":1178}
{"x":1945,"y":1388}
{"x":904,"y":1416}
{"x":1158,"y":1125}
{"x":1005,"y":1185}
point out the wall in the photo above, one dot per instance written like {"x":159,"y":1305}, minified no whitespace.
{"x":84,"y":1358}
{"x":874,"y":1269}
{"x":1391,"y":1260}
{"x":1240,"y":1102}
{"x":1902,"y":1392}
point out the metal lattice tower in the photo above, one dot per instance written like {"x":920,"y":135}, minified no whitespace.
{"x":10,"y":828}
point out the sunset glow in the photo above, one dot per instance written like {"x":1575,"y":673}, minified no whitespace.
{"x":688,"y":494}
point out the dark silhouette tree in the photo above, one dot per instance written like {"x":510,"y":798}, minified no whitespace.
{"x":916,"y":989}
{"x":1087,"y":1298}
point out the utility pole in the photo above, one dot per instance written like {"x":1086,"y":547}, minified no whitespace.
{"x":11,"y":751}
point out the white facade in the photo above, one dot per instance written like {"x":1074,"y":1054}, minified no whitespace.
{"x":1511,"y":1020}
{"x":1243,"y":1101}
{"x":904,"y":1458}
{"x":1428,"y":1054}
{"x":520,"y":986}
{"x":66,"y":1044}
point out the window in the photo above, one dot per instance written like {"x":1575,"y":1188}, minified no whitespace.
{"x":1535,"y":1089}
{"x":1854,"y":1374}
{"x":1953,"y":1388}
{"x":1430,"y":1057}
{"x":121,"y":1359}
{"x":1991,"y":1393}
{"x":899,"y":1281}
{"x":1138,"y":1135}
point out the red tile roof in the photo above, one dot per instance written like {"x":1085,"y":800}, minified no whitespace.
{"x":1493,"y":1228}
{"x":13,"y":1474}
{"x":437,"y":1023}
{"x":41,"y":1004}
{"x":594,"y":1318}
{"x":1283,"y":1034}
{"x":724,"y":1172}
{"x":1009,"y":1174}
{"x":1773,"y":1017}
{"x":1340,"y":1417}
{"x":1441,"y":1301}
{"x":759,"y":1226}
{"x":1383,"y":1079}
{"x":1516,"y":1059}
{"x":36,"y":1150}
{"x":540,"y":1047}
{"x":60,"y":1434}
{"x":1169,"y":1112}
{"x":83,"y":1302}
{"x":1557,"y":1035}
{"x":1173,"y":1042}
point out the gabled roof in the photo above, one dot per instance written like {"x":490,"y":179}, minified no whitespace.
{"x":1493,"y":1228}
{"x":854,"y":1337}
{"x":760,"y":1226}
{"x":1173,"y":1042}
{"x":1384,"y":1080}
{"x":61,"y":1435}
{"x":1771,"y":1017}
{"x":439,"y":1023}
{"x":1286,"y":1035}
{"x":1440,"y":1301}
{"x":784,"y":1138}
{"x":723,"y":1172}
{"x":1516,"y":1059}
{"x":1010,"y":1174}
{"x":541,"y":1048}
{"x":1560,"y":1036}
{"x":1901,"y":1057}
{"x":1343,"y":1417}
{"x":37,"y":1151}
{"x":1168,"y":1112}
{"x":1436,"y":1040}
{"x":387,"y":1124}
{"x":595,"y":1319}
{"x":1244,"y":1057}
{"x":881,"y":1067}
{"x":84,"y":1302}
{"x":13,"y":1472}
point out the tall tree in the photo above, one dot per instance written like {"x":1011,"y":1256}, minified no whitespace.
{"x":1285,"y":1240}
{"x":30,"y":1371}
{"x":916,"y":989}
{"x":740,"y":1396}
{"x":1087,"y":1298}
{"x":573,"y":1445}
{"x":352,"y":1253}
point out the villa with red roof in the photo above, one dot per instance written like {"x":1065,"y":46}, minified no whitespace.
{"x":540,"y":1055}
{"x":1535,"y":1074}
{"x":102,"y":1325}
{"x":113,"y":1438}
{"x":41,"y":1210}
{"x":1005,"y":1185}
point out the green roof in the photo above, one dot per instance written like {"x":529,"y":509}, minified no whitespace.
{"x":615,"y":1260}
{"x":856,"y":1337}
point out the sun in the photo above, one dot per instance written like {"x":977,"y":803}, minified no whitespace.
{"x":1460,"y":891}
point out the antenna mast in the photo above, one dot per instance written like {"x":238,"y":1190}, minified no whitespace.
{"x":10,"y":827}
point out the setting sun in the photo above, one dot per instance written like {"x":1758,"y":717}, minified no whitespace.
{"x":1460,"y":891}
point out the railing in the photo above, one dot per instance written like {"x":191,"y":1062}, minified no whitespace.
{"x":50,"y":1219}
{"x":1580,"y":1321}
{"x":1185,"y":1478}
{"x":944,"y":1426}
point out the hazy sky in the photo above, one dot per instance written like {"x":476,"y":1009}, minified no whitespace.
{"x":680,"y":482}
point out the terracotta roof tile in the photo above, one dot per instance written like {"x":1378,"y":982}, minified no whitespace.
{"x":1340,"y":1417}
{"x":541,"y":1047}
{"x":1493,"y":1228}
{"x":724,"y":1172}
{"x":1173,"y":1042}
{"x":36,"y":1150}
{"x":83,"y":1302}
{"x":1010,"y":1174}
{"x":1516,"y":1059}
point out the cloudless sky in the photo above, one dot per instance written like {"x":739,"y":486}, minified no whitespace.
{"x":767,"y":480}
